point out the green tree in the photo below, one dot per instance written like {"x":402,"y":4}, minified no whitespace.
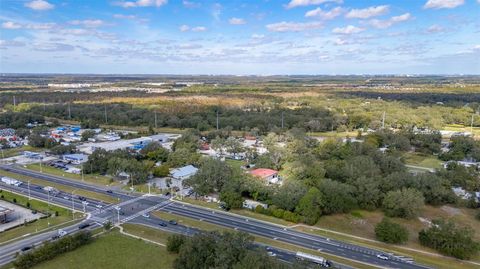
{"x":450,"y":239}
{"x":310,"y":206}
{"x":181,"y":157}
{"x":337,"y":197}
{"x":404,"y":203}
{"x":175,"y":242}
{"x":232,"y":199}
{"x":289,"y":194}
{"x":391,"y":232}
{"x":87,"y":134}
{"x":212,"y":175}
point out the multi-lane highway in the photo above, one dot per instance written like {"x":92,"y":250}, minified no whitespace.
{"x":134,"y":207}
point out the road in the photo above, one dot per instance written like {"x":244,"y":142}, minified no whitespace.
{"x":268,"y":230}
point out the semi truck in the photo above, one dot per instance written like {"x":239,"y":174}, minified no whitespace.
{"x":314,"y":259}
{"x":11,"y":181}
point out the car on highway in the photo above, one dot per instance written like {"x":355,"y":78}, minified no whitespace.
{"x":163,"y":224}
{"x":271,"y":254}
{"x":173,"y":222}
{"x":84,"y":225}
{"x":81,"y":198}
{"x":66,"y":197}
{"x":26,"y":248}
{"x":109,"y":191}
{"x":98,"y":206}
{"x":146,"y":215}
{"x":382,"y":257}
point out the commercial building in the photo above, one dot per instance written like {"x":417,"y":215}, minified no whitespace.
{"x":4,"y":213}
{"x":133,"y":144}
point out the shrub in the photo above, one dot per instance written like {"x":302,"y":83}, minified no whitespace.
{"x":278,"y":213}
{"x":390,"y":232}
{"x":450,"y":239}
{"x":175,"y":242}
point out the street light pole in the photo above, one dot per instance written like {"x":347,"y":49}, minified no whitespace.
{"x":29,"y":190}
{"x":73,"y":206}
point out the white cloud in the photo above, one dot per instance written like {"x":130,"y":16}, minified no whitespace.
{"x":366,"y":13}
{"x":324,"y":15}
{"x":142,"y":3}
{"x":190,"y":4}
{"x":293,"y":26}
{"x":184,"y":28}
{"x":33,"y":26}
{"x":237,"y":21}
{"x":300,"y":3}
{"x":382,"y":24}
{"x":39,"y":5}
{"x":11,"y":25}
{"x":88,"y":23}
{"x":199,"y":29}
{"x":436,"y":4}
{"x":435,"y":28}
{"x":348,"y":30}
{"x":121,"y":16}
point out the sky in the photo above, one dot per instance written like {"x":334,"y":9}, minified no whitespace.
{"x":255,"y":37}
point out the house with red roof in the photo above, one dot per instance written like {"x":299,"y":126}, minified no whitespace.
{"x":269,"y":175}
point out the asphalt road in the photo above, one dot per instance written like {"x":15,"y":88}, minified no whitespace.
{"x":350,"y":251}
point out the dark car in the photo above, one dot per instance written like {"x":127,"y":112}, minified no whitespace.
{"x":55,"y":237}
{"x":83,"y":226}
{"x":26,"y":248}
{"x":81,"y":198}
{"x":163,"y":224}
{"x":110,"y":191}
{"x":173,"y":222}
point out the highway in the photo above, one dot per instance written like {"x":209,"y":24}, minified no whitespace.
{"x":268,"y":230}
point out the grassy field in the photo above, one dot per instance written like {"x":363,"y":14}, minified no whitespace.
{"x":114,"y":251}
{"x":64,"y":215}
{"x":95,"y":179}
{"x":90,"y":194}
{"x":7,"y":153}
{"x":461,"y":128}
{"x":422,"y":160}
{"x":146,"y":232}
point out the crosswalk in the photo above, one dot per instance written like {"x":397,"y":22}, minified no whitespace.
{"x":145,"y":211}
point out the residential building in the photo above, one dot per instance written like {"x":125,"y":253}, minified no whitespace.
{"x":269,"y":175}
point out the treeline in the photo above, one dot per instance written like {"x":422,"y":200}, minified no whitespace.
{"x":18,"y":120}
{"x":230,"y":250}
{"x":261,"y":119}
{"x":451,"y":99}
{"x":50,"y":250}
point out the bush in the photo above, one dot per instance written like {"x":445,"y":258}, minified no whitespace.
{"x":175,"y":242}
{"x":278,"y":213}
{"x":390,"y":232}
{"x":14,"y":200}
{"x":52,"y":249}
{"x":449,"y":239}
{"x":292,"y":217}
{"x":260,"y":209}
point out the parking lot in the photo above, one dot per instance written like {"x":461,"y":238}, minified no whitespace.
{"x":18,"y":216}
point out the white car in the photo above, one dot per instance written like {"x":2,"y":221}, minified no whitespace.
{"x":99,"y":206}
{"x":271,"y":254}
{"x":382,"y":257}
{"x":146,"y":216}
{"x":66,"y":197}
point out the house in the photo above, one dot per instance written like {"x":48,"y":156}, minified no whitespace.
{"x":77,"y":158}
{"x":466,"y":163}
{"x":460,"y":192}
{"x":179,"y":175}
{"x":251,"y":204}
{"x":269,"y":175}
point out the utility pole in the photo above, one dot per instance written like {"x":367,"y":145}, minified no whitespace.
{"x":14,"y":102}
{"x":217,"y":119}
{"x":149,"y":188}
{"x":471,"y":125}
{"x":106,"y":119}
{"x":282,"y":119}
{"x":83,"y":179}
{"x":28,"y":190}
{"x":69,"y":112}
{"x":383,"y":120}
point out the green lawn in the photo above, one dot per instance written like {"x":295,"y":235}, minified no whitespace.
{"x":64,"y":215}
{"x":142,"y":231}
{"x":95,"y":179}
{"x":422,"y":160}
{"x":90,"y":194}
{"x":235,"y":163}
{"x":114,"y":251}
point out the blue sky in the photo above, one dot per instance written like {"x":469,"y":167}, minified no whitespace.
{"x":262,"y":37}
